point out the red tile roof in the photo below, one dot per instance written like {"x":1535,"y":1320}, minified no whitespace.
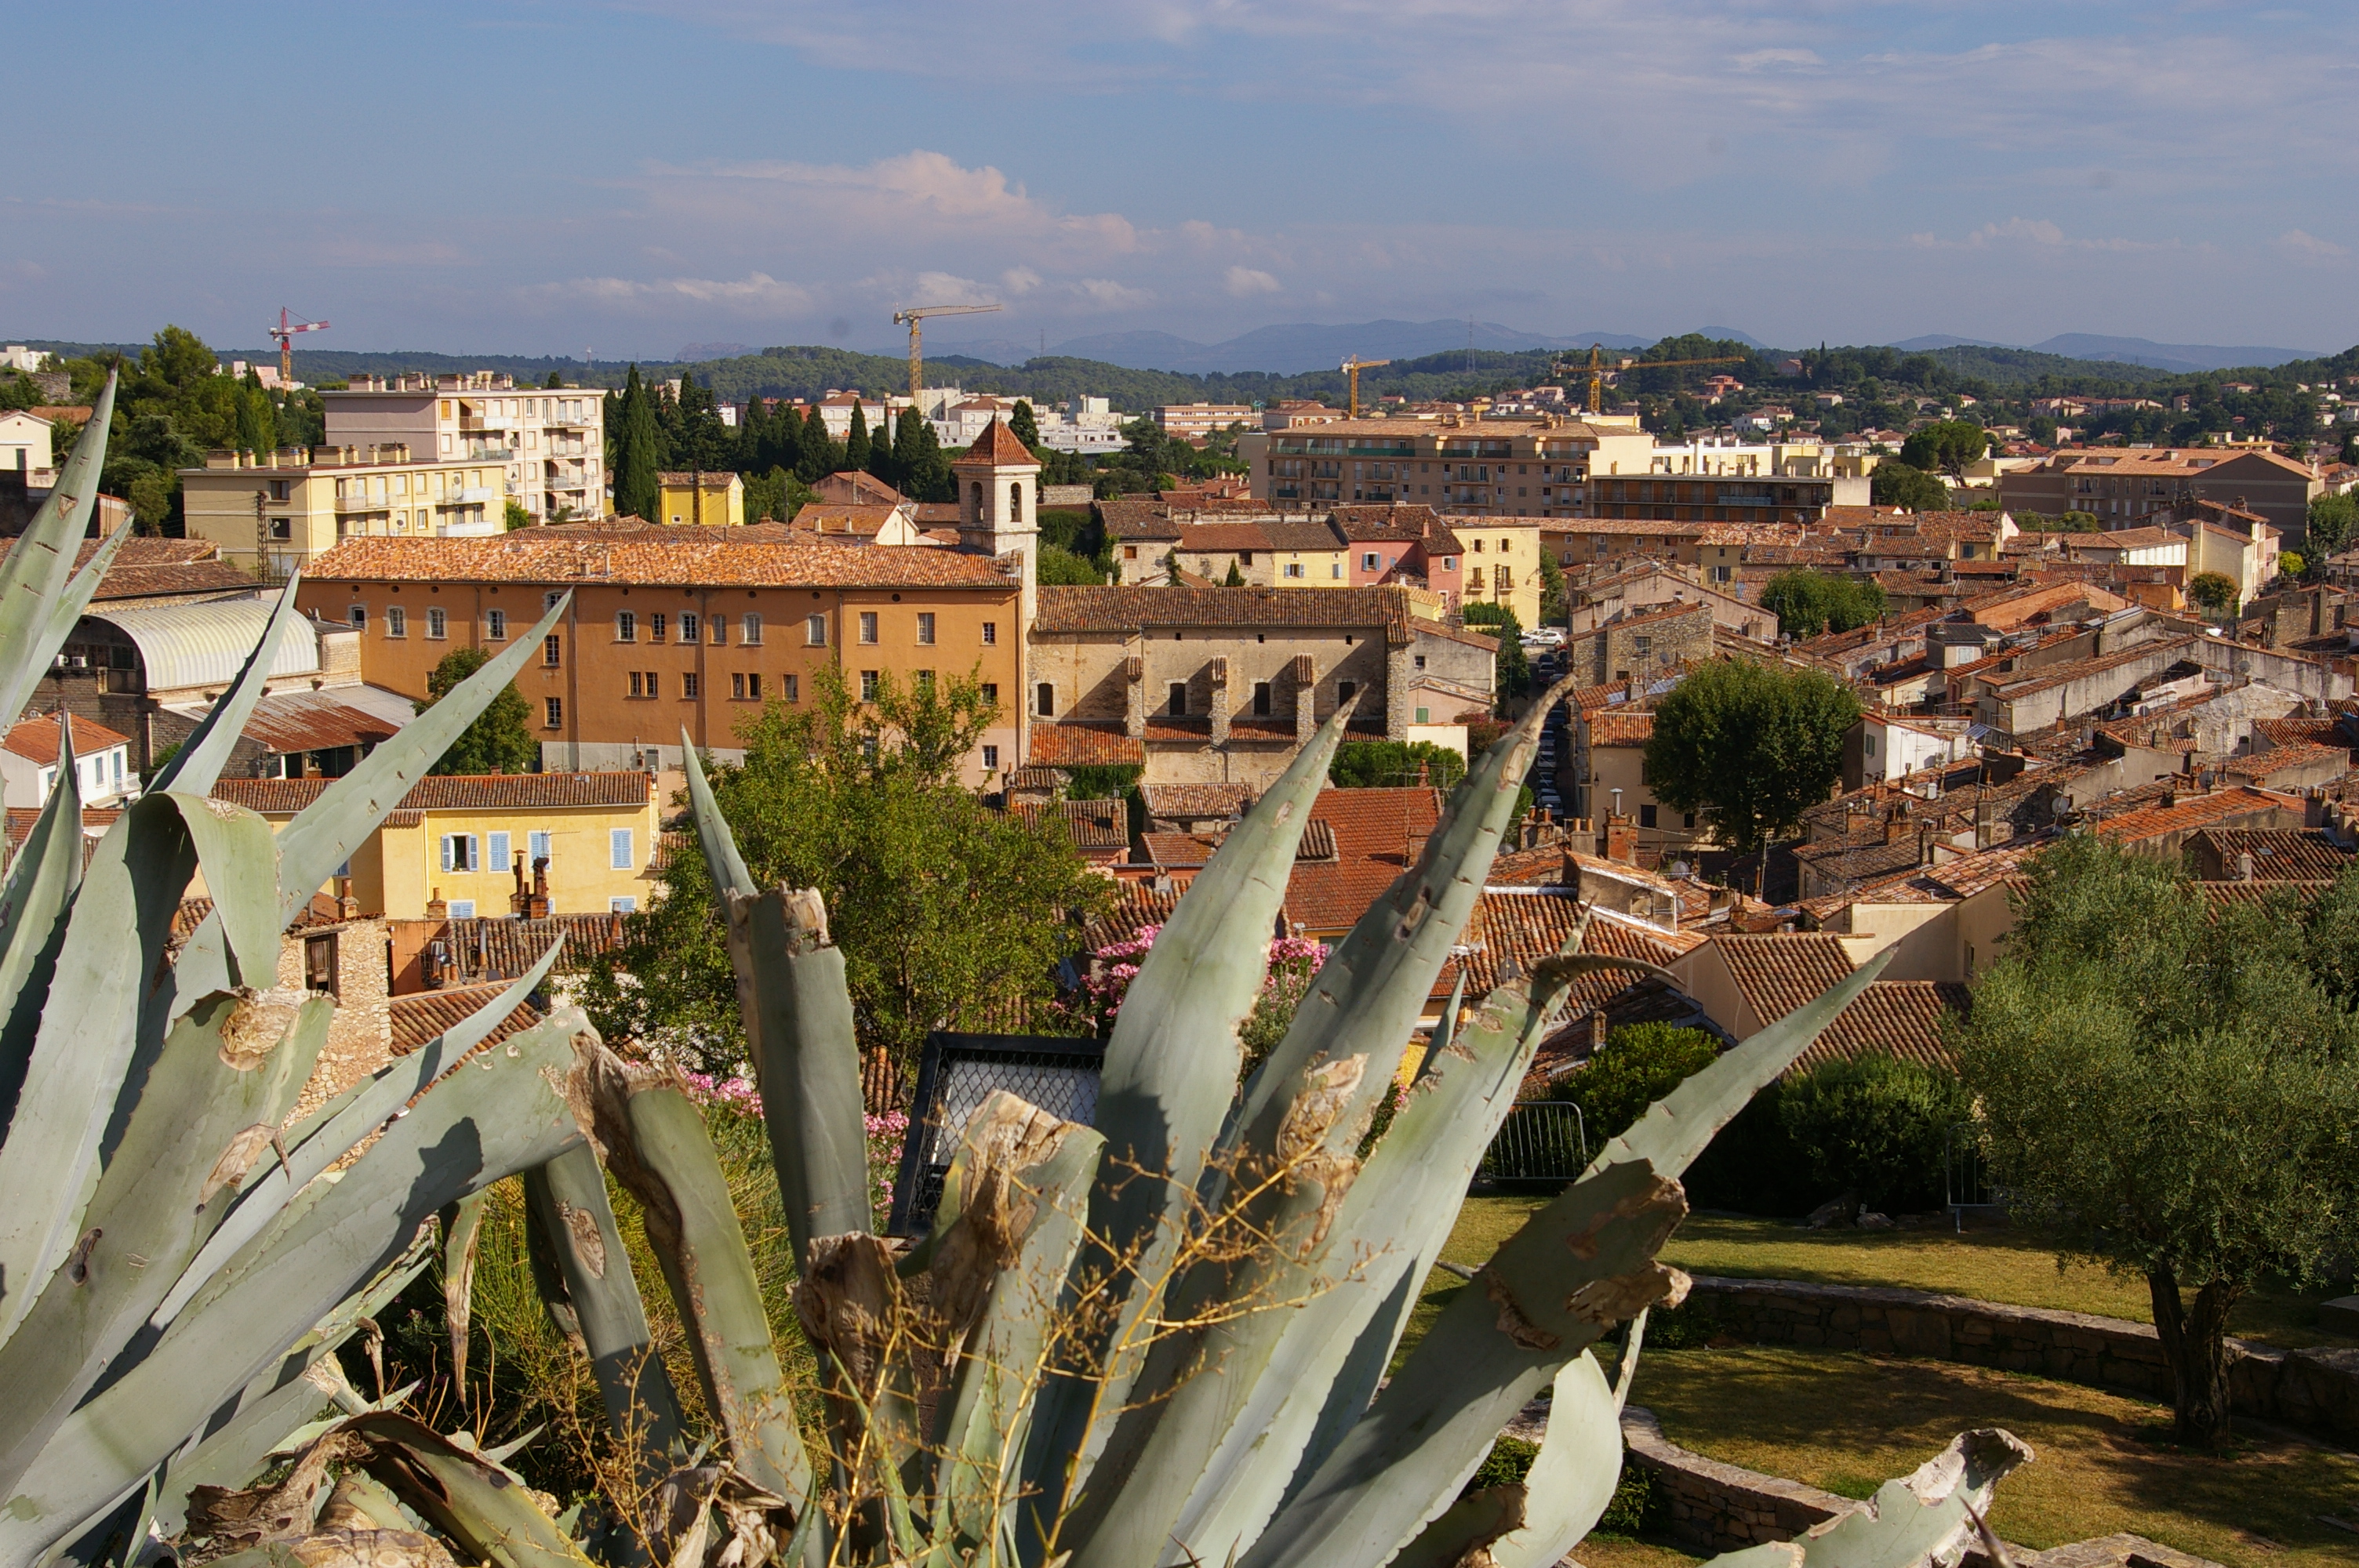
{"x":1894,"y":1017}
{"x":2282,"y":854}
{"x":2152,"y":821}
{"x":1777,"y":974}
{"x":426,"y":1016}
{"x":1084,"y":743}
{"x":553,"y":557}
{"x":1066,"y":610}
{"x":996,"y":447}
{"x":1621,"y":728}
{"x":37,"y":739}
{"x":1178,"y":801}
{"x":456,"y":792}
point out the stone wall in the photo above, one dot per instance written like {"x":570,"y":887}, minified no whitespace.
{"x":2317,"y":1389}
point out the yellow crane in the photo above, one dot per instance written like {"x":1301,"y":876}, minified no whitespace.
{"x":1596,"y":369}
{"x":1352,"y":368}
{"x":914,"y":315}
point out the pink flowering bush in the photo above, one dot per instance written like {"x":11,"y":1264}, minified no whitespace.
{"x":738,"y":1097}
{"x":1293,"y":961}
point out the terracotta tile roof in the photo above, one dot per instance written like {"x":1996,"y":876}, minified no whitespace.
{"x":508,"y":946}
{"x":2279,"y":855}
{"x":1541,"y":867}
{"x":147,"y":567}
{"x":1091,"y":824}
{"x":2258,"y":892}
{"x":1522,"y":927}
{"x":319,"y":912}
{"x":548,"y":557}
{"x":996,"y":447}
{"x":2294,"y":732}
{"x":95,"y":820}
{"x":1134,"y":904}
{"x":37,"y":739}
{"x":2152,"y":821}
{"x":1378,"y":833}
{"x":2260,"y":764}
{"x":1084,"y":743}
{"x":1894,"y":1017}
{"x":2013,"y":685}
{"x":1621,"y":728}
{"x":1224,"y":538}
{"x":1311,"y":536}
{"x":1069,"y":609}
{"x":1179,"y":801}
{"x":1178,"y":851}
{"x":425,"y":1016}
{"x":456,"y":792}
{"x":1777,"y":974}
{"x":1137,"y":520}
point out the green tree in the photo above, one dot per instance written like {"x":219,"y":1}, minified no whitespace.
{"x":1512,"y":671}
{"x":2293,"y":563}
{"x":1806,"y":602}
{"x":500,"y":739}
{"x":921,"y":468}
{"x":639,"y":484}
{"x":817,"y":455}
{"x":1235,"y":578}
{"x":1061,"y":567}
{"x":1751,"y":746}
{"x":1395,"y":765}
{"x":515,"y":515}
{"x":1875,"y":1128}
{"x":1896,"y":483}
{"x":1022,"y":426}
{"x":2215,"y":591}
{"x":1554,"y":603}
{"x":2169,"y":1087}
{"x":856,"y":451}
{"x":2332,"y":520}
{"x":553,"y":381}
{"x":257,"y":417}
{"x":946,"y":912}
{"x":1639,"y":1065}
{"x":1946,"y":446}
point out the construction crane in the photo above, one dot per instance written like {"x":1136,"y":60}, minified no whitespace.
{"x":284,"y":332}
{"x":1352,"y":368}
{"x":912,"y":316}
{"x":1596,"y":369}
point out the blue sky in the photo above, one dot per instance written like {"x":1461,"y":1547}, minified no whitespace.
{"x":517,"y":176}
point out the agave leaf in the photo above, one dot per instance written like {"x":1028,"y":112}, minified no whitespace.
{"x":39,"y":890}
{"x":209,"y":1110}
{"x":654,"y":1142}
{"x":1170,"y":1078}
{"x":465,"y":1493}
{"x":196,"y":766}
{"x":338,"y":1126}
{"x":1324,"y":1075}
{"x":566,"y":1202}
{"x":463,"y":1224}
{"x":1573,"y":1475}
{"x":1928,"y":1515}
{"x":1023,"y":1179}
{"x":80,"y":589}
{"x":1466,"y":1529}
{"x":1392,"y":1224}
{"x":508,"y":1110}
{"x":36,"y":571}
{"x":328,"y":831}
{"x":81,"y":1054}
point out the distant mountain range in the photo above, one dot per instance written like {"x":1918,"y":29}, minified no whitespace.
{"x":1290,"y":349}
{"x":2179,"y":358}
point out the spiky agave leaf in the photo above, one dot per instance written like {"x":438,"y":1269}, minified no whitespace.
{"x":1573,"y":1475}
{"x":36,"y":572}
{"x":1927,"y":1516}
{"x":39,"y":889}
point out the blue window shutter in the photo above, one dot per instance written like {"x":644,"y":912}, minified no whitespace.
{"x":446,"y":851}
{"x":618,"y":843}
{"x":499,"y":857}
{"x":537,"y":845}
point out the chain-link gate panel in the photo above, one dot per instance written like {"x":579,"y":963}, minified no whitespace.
{"x":956,"y":1074}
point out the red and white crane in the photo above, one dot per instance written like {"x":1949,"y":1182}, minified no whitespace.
{"x":284,"y":332}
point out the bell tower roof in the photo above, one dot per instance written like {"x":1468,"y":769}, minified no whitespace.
{"x":997,"y":447}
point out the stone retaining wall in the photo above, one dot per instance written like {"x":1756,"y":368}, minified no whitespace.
{"x":2317,"y":1389}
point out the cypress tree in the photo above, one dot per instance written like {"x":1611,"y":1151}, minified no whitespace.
{"x":926,"y":471}
{"x":880,"y":453}
{"x":1022,"y":426}
{"x":637,"y":490}
{"x":754,"y":437}
{"x":855,"y":447}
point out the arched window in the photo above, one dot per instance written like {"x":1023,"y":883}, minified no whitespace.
{"x":978,"y":501}
{"x":1015,"y":502}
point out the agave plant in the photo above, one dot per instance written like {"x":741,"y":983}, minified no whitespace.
{"x":1162,"y":1338}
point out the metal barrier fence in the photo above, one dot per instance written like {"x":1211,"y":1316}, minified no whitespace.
{"x":1964,"y":1183}
{"x":1541,"y":1140}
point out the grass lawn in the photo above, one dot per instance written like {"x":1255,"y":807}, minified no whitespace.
{"x":1848,"y":1422}
{"x":1992,"y":1265}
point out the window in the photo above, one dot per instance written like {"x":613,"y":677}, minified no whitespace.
{"x":689,"y":631}
{"x":720,"y":624}
{"x":754,"y":687}
{"x":1345,"y":690}
{"x":1688,"y":820}
{"x":397,"y":622}
{"x":496,"y":848}
{"x":1371,"y":561}
{"x":623,"y":905}
{"x":655,"y":628}
{"x":538,"y":843}
{"x":1294,"y":568}
{"x":1261,"y":699}
{"x":990,"y":633}
{"x":552,"y":652}
{"x":991,"y":693}
{"x":1419,"y":660}
{"x":925,"y":626}
{"x":750,"y":630}
{"x":1175,"y":701}
{"x":1130,"y":551}
{"x":320,"y":964}
{"x":1044,"y":698}
{"x":554,"y":712}
{"x":1334,"y":568}
{"x":358,"y":616}
{"x":737,"y":686}
{"x":463,"y":909}
{"x":814,"y":632}
{"x":626,"y":626}
{"x":990,"y":757}
{"x":1424,"y":716}
{"x":459,"y":852}
{"x":925,"y":680}
{"x":689,"y":686}
{"x":1645,"y":816}
{"x":790,"y":687}
{"x":1478,"y":546}
{"x":1474,"y":579}
{"x":496,"y":625}
{"x":868,"y":626}
{"x":438,"y":623}
{"x":548,"y":600}
{"x":618,"y":849}
{"x":638,"y":683}
{"x":868,"y":685}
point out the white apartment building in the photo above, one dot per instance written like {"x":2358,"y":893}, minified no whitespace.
{"x":16,"y":356}
{"x":26,"y":443}
{"x":1194,"y":421}
{"x":549,"y":441}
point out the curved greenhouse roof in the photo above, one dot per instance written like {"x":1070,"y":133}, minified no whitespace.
{"x":206,"y":643}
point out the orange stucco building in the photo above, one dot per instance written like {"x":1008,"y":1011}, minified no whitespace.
{"x":664,"y":634}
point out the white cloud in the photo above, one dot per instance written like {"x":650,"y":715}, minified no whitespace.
{"x":1244,"y":282}
{"x":755,"y":292}
{"x":1018,"y":280}
{"x":2305,"y":246}
{"x":1105,"y":294}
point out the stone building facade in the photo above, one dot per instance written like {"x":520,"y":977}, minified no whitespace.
{"x":1642,"y":641}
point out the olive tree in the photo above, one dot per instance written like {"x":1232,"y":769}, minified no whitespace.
{"x":2171,"y":1090}
{"x":1750,"y":745}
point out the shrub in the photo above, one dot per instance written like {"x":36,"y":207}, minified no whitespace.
{"x":1754,"y":1166}
{"x":1510,"y":1461}
{"x":1385,"y":764}
{"x":1639,"y":1063}
{"x":1875,"y":1126}
{"x":1639,"y":1507}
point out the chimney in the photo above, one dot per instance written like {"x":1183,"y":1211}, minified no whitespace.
{"x":1597,"y":1032}
{"x":2170,"y":794}
{"x":536,"y":906}
{"x":1621,"y":839}
{"x":2245,"y":865}
{"x":437,"y":908}
{"x":346,"y":904}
